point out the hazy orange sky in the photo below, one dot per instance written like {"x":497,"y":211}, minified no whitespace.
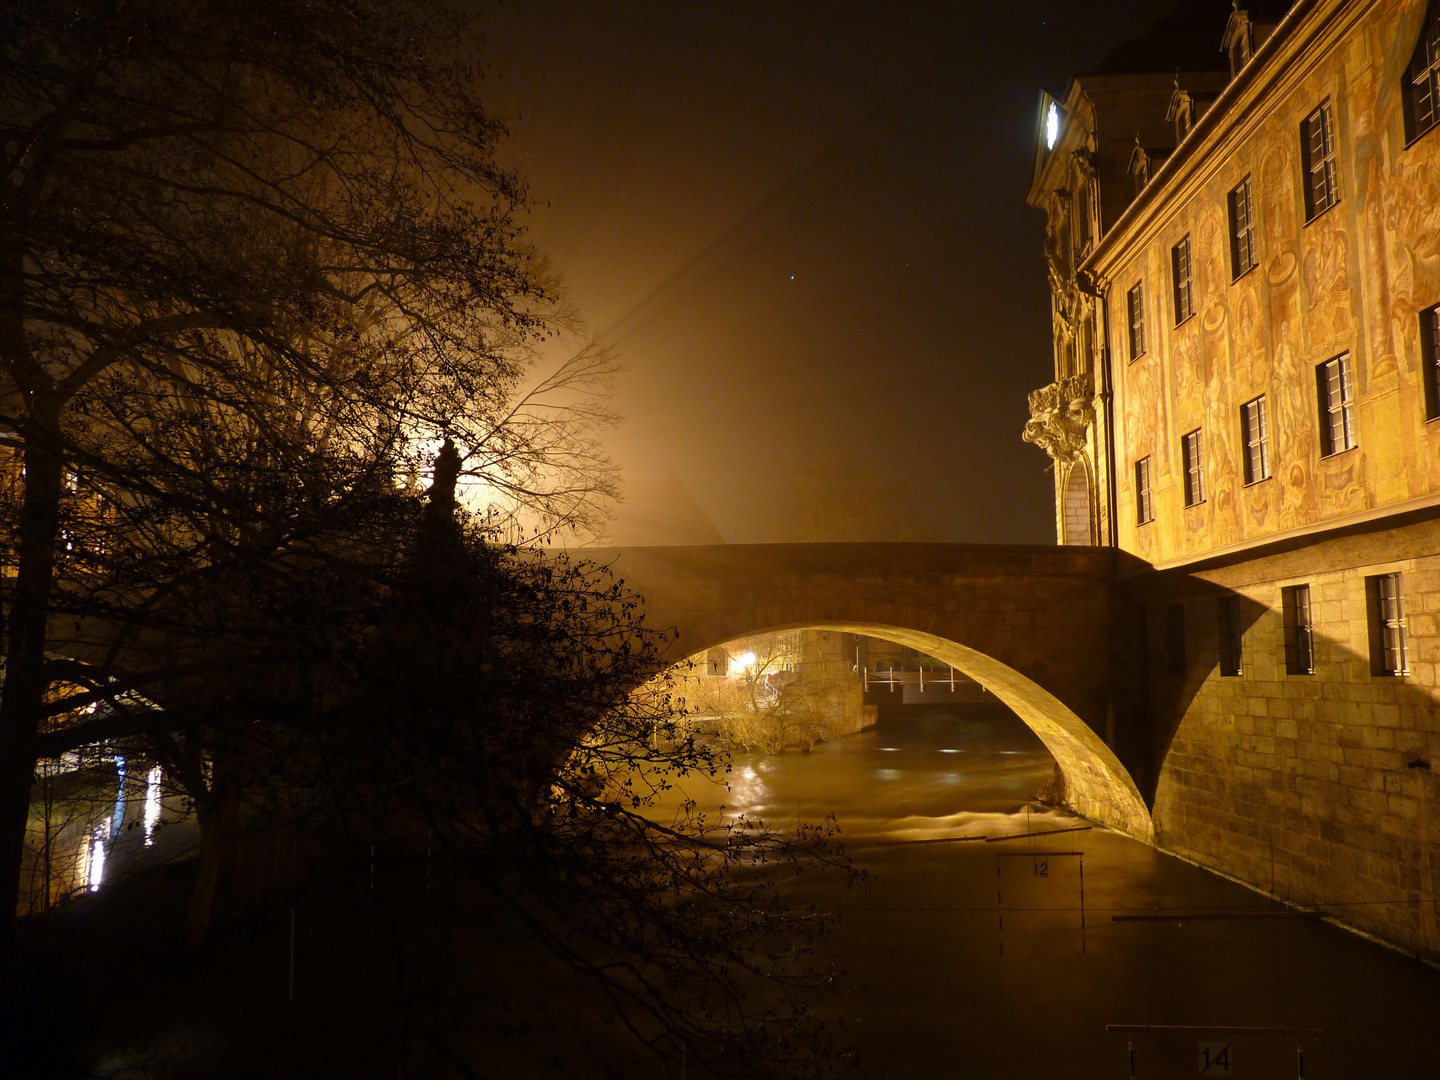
{"x":802,"y":229}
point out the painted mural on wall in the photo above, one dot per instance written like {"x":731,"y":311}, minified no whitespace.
{"x":1351,"y":281}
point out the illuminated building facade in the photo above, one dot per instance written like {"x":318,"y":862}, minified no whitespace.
{"x":1247,"y":402}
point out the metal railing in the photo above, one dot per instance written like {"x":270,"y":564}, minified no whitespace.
{"x":893,"y":677}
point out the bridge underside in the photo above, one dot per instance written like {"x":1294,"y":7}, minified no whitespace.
{"x":1031,"y":625}
{"x":1098,"y":785}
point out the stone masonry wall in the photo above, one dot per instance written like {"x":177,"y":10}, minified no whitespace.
{"x":1304,"y":785}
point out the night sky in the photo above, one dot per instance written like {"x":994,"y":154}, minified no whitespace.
{"x":801,"y":227}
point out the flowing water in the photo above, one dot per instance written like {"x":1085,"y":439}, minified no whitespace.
{"x":983,"y":958}
{"x":986,"y":946}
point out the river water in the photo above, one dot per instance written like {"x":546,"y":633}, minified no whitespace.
{"x":980,"y":960}
{"x":986,"y":944}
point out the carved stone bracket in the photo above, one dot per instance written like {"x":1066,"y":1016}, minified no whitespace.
{"x":1059,"y":416}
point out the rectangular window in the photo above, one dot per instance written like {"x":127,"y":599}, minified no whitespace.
{"x":1430,"y":360}
{"x":1242,"y":230}
{"x":1231,"y":635}
{"x":1421,"y":84}
{"x":1190,"y":450}
{"x":1180,"y":270}
{"x":1317,"y":146}
{"x":1175,"y":638}
{"x":1337,"y":410}
{"x":1299,"y":635}
{"x":1255,"y":430}
{"x":1135,"y":307}
{"x":1144,"y":507}
{"x":1387,"y":625}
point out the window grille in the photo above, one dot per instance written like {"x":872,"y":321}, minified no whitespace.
{"x":1180,"y":268}
{"x":1387,"y":626}
{"x":1322,"y":188}
{"x":1299,"y":630}
{"x":1144,"y":506}
{"x":1242,"y":230}
{"x":1135,"y":306}
{"x":1430,"y":361}
{"x":1255,"y":429}
{"x":1190,"y":449}
{"x":1422,"y":79}
{"x":1231,"y":635}
{"x":1337,"y":411}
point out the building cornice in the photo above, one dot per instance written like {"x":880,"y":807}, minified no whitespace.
{"x":1298,"y":44}
{"x":1424,"y":508}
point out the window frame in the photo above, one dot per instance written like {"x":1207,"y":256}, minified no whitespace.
{"x":1326,"y":167}
{"x":1330,"y":407}
{"x":1424,"y":67}
{"x":1192,"y":456}
{"x":1243,"y":254}
{"x":1135,"y":319}
{"x":1297,"y":617}
{"x":1182,"y":280}
{"x":1232,"y":636}
{"x":1430,"y":359}
{"x":1385,"y":603}
{"x":1144,"y":492}
{"x":1253,"y":441}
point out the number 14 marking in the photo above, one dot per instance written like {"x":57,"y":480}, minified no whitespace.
{"x":1214,"y":1058}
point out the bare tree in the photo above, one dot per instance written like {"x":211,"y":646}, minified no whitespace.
{"x":256,"y":259}
{"x":257,"y":263}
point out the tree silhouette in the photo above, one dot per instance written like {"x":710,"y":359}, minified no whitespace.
{"x":256,"y":261}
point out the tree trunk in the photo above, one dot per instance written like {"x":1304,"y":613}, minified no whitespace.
{"x":23,"y":695}
{"x":217,"y":828}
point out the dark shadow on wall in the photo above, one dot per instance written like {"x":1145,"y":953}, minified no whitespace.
{"x":1309,"y":773}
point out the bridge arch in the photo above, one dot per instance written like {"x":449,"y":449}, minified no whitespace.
{"x":1099,"y":785}
{"x":1042,"y":627}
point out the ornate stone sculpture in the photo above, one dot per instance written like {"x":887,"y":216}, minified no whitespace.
{"x":1059,"y":415}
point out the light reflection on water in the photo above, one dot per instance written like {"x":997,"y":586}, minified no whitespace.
{"x":92,"y":856}
{"x":152,"y":803}
{"x":890,"y":784}
{"x":962,"y":962}
{"x":95,"y":816}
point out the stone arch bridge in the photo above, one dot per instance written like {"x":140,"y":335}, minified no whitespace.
{"x":1042,"y":628}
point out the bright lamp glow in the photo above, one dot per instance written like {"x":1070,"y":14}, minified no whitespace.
{"x":745,"y":661}
{"x":1052,"y":126}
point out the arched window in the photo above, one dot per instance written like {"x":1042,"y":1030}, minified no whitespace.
{"x":1077,"y":506}
{"x":1422,"y":79}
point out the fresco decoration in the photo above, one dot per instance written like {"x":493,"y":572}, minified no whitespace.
{"x":1343,"y":487}
{"x":1141,"y":416}
{"x":1294,"y":439}
{"x":1325,"y":276}
{"x":1354,"y":280}
{"x":1408,"y":204}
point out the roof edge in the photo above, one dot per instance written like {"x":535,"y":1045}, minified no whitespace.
{"x":1213,"y":117}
